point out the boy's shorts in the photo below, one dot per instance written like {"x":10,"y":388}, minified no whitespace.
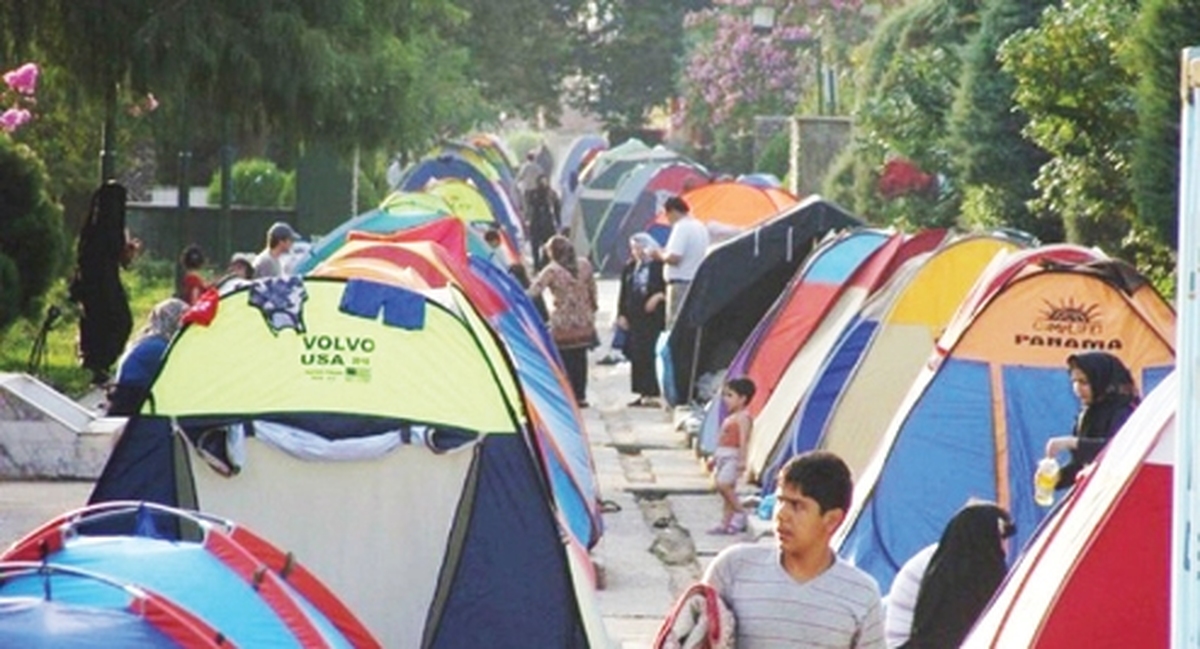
{"x":725,"y":466}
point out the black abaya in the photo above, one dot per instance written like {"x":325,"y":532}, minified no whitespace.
{"x":644,"y":328}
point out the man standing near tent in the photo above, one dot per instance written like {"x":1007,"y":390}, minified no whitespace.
{"x":799,"y":593}
{"x":527,"y":175}
{"x":280,"y":238}
{"x":681,"y":258}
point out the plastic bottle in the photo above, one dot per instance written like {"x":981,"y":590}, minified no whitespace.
{"x":1044,"y":482}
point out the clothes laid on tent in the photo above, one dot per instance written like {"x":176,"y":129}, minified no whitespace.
{"x":204,"y":582}
{"x":393,"y":418}
{"x":557,"y":427}
{"x":736,"y":284}
{"x":976,"y":421}
{"x":727,"y":207}
{"x":1098,"y":573}
{"x":812,"y":317}
{"x":864,"y":379}
{"x":623,"y":221}
{"x":419,"y":175}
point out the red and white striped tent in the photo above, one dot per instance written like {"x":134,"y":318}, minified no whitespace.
{"x":1098,"y":574}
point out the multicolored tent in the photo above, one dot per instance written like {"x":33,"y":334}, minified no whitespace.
{"x":1098,"y":573}
{"x":398,"y":215}
{"x":392,"y":417}
{"x":556,"y":424}
{"x":599,"y":185}
{"x":417,"y":177}
{"x":865,"y":378}
{"x":736,"y":284}
{"x":976,"y":421}
{"x":195,"y":579}
{"x":811,"y":320}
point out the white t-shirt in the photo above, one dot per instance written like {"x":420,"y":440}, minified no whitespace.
{"x":902,"y":599}
{"x":689,"y":240}
{"x":838,"y":608}
{"x":266,"y":265}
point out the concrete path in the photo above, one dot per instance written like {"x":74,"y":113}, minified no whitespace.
{"x":654,"y":545}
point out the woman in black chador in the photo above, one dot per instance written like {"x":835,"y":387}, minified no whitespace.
{"x":1108,"y":396}
{"x":105,"y":321}
{"x":642,"y":312}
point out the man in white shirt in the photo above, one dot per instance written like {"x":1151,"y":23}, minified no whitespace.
{"x":280,"y":238}
{"x":682,"y":256}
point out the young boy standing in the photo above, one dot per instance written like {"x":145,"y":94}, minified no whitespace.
{"x":799,"y":593}
{"x":729,"y":460}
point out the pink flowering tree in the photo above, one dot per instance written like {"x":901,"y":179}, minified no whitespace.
{"x":733,"y":74}
{"x":17,"y":96}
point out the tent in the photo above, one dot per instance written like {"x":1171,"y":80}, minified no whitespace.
{"x":736,"y":284}
{"x":599,"y":185}
{"x":812,"y":317}
{"x":866,"y":376}
{"x":728,"y":206}
{"x":194,"y":570}
{"x":798,"y":310}
{"x":449,"y":166}
{"x":390,"y":220}
{"x":1098,"y":574}
{"x":646,"y":186}
{"x":557,"y":426}
{"x":976,"y":421}
{"x":393,"y":418}
{"x":566,"y":175}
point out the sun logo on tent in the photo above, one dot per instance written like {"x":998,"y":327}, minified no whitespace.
{"x":1070,"y":311}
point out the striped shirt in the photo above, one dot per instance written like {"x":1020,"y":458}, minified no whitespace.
{"x":837,"y":609}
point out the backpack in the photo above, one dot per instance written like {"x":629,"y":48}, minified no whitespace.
{"x":699,"y":619}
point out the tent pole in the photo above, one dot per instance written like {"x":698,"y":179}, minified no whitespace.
{"x":1185,"y":538}
{"x":695,"y":363}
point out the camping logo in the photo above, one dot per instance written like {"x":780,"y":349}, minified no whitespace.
{"x":1069,"y":324}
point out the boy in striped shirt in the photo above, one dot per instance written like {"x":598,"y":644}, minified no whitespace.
{"x":798,"y":592}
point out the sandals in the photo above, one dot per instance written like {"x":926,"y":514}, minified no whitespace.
{"x":643,"y":402}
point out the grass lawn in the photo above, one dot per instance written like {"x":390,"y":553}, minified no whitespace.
{"x":147,"y":282}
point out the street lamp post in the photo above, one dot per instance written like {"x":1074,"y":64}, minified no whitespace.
{"x":762,"y":22}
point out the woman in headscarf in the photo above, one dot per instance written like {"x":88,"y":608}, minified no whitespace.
{"x":963,"y":574}
{"x":642,"y":313}
{"x":573,"y":318}
{"x":142,"y":358}
{"x":1108,"y":396}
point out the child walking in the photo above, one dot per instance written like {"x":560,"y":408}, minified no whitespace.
{"x":729,"y":460}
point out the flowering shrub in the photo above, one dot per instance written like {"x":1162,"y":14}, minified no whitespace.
{"x":901,"y":177}
{"x":22,"y":85}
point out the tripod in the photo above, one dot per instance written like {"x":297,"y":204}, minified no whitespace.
{"x":37,"y":356}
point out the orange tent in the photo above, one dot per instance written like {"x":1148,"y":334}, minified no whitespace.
{"x":733,"y":204}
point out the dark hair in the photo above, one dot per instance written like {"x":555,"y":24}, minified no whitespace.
{"x":563,"y":253}
{"x":676,"y":204}
{"x":491,"y":235}
{"x":192,"y":257}
{"x":822,"y":476}
{"x":742,"y":386}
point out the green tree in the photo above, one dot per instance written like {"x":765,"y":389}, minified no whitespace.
{"x":256,"y":183}
{"x":631,"y":58}
{"x":1164,"y":28}
{"x":520,"y":50}
{"x":907,"y":83}
{"x":1074,"y":83}
{"x":996,"y":164}
{"x":31,"y":238}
